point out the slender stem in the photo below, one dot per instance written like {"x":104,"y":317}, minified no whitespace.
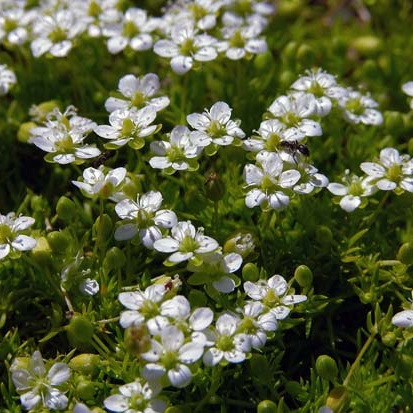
{"x":109,"y":320}
{"x":357,"y":361}
{"x":215,"y":383}
{"x":373,"y":217}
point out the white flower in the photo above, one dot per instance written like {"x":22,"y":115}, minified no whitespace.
{"x":186,"y":46}
{"x":358,"y":108}
{"x":10,"y":234}
{"x":55,"y":33}
{"x":353,"y":191}
{"x":128,"y":126}
{"x":171,"y":357}
{"x":321,"y":85}
{"x":138,"y":92}
{"x":136,"y":397}
{"x":256,"y":321}
{"x":241,"y":41}
{"x":7,"y":79}
{"x":185,"y":243}
{"x":134,"y":31}
{"x":14,"y":24}
{"x":214,"y":126}
{"x":97,"y":184}
{"x":392,"y":172}
{"x":294,"y":111}
{"x":144,"y":217}
{"x":215,"y":269}
{"x":62,"y":136}
{"x":309,"y":180}
{"x":404,"y":318}
{"x":270,"y":182}
{"x":141,"y":305}
{"x":37,"y":385}
{"x":89,"y":287}
{"x":176,"y":155}
{"x":228,"y":344}
{"x":177,"y":311}
{"x":408,"y":89}
{"x":273,"y":294}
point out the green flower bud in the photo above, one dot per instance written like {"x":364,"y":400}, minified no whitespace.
{"x":66,"y":209}
{"x":393,"y":121}
{"x":114,"y":259}
{"x":20,"y":363}
{"x":267,"y":406}
{"x":389,"y":339}
{"x":242,"y":243}
{"x":405,"y":253}
{"x":80,"y":331}
{"x":290,"y":50}
{"x":337,"y":398}
{"x":85,"y":363}
{"x":367,"y":45}
{"x":250,"y":272}
{"x":294,"y":388}
{"x":287,"y":77}
{"x":137,"y":339}
{"x":306,"y":55}
{"x":59,"y":241}
{"x":326,"y":367}
{"x":42,"y":252}
{"x":304,"y":276}
{"x":197,"y":298}
{"x":263,"y":61}
{"x":367,"y":298}
{"x":324,"y":236}
{"x":23,"y":134}
{"x":40,"y":111}
{"x":85,"y":389}
{"x":102,"y":229}
{"x":289,"y":9}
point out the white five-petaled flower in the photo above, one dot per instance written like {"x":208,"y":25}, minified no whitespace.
{"x":294,"y":112}
{"x":14,"y":25}
{"x":128,"y":126}
{"x":353,"y":192}
{"x":177,"y":311}
{"x":273,"y":294}
{"x":170,"y":356}
{"x":392,"y":172}
{"x":97,"y":184}
{"x":134,"y":30}
{"x":136,"y":397}
{"x":310,"y":179}
{"x":55,"y":33}
{"x":228,"y":344}
{"x":177,"y":154}
{"x":358,"y":108}
{"x":10,"y":234}
{"x":408,"y":89}
{"x":241,"y":41}
{"x":138,"y":92}
{"x":144,"y":217}
{"x":141,"y":305}
{"x":404,"y":318}
{"x":322,"y":86}
{"x":256,"y":321}
{"x":215,"y":270}
{"x":62,"y":136}
{"x":270,"y":182}
{"x":185,"y":242}
{"x":186,"y":46}
{"x":37,"y":385}
{"x":7,"y":79}
{"x":214,"y":126}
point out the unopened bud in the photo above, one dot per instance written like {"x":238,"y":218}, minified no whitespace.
{"x":250,"y":272}
{"x":263,"y":61}
{"x":42,"y":252}
{"x":114,"y":259}
{"x":66,"y":209}
{"x":326,"y":367}
{"x":267,"y":406}
{"x":85,"y":389}
{"x":59,"y":241}
{"x":23,"y":134}
{"x":367,"y":45}
{"x":389,"y":339}
{"x":324,"y":236}
{"x":405,"y":254}
{"x":304,"y":276}
{"x":80,"y":331}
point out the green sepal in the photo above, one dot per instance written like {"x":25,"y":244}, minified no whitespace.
{"x":137,"y":143}
{"x":211,"y":149}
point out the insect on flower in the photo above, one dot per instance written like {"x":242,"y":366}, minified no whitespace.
{"x":102,"y":158}
{"x":295,"y":147}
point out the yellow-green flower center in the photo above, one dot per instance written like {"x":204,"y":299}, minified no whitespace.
{"x":248,"y":326}
{"x":267,"y":185}
{"x":271,"y":298}
{"x":187,"y":47}
{"x":291,"y":119}
{"x":237,"y":40}
{"x":188,"y":244}
{"x":128,"y":127}
{"x":137,"y":402}
{"x":197,"y":11}
{"x":129,"y":29}
{"x":10,"y":25}
{"x":216,"y":129}
{"x":169,"y":360}
{"x":94,"y":9}
{"x":244,"y":7}
{"x":176,"y":154}
{"x":355,"y":188}
{"x":149,"y":309}
{"x":273,"y":142}
{"x":139,"y":99}
{"x":57,"y":35}
{"x":143,"y":218}
{"x":316,"y":89}
{"x":355,"y":106}
{"x":394,"y":173}
{"x":225,"y":343}
{"x":6,"y":234}
{"x":65,"y":145}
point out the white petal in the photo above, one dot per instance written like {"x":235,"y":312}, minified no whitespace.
{"x":178,"y":257}
{"x":373,"y":169}
{"x":289,"y":178}
{"x":64,"y":159}
{"x":177,"y":307}
{"x":293,"y":299}
{"x":278,"y":284}
{"x":386,"y":185}
{"x":180,"y":377}
{"x":117,"y":44}
{"x":132,"y":299}
{"x":407,"y":184}
{"x":59,"y":373}
{"x":349,"y":203}
{"x":116,"y":403}
{"x":149,"y":235}
{"x":22,"y":223}
{"x":227,"y":324}
{"x":128,"y":318}
{"x":30,"y":399}
{"x":278,"y":200}
{"x":254,"y":198}
{"x":232,"y":262}
{"x":181,"y":64}
{"x":40,"y":46}
{"x":153,"y":372}
{"x":205,"y":54}
{"x":191,"y":352}
{"x":125,"y":232}
{"x":24,"y":243}
{"x":234,"y":356}
{"x":87,"y":152}
{"x":166,"y":245}
{"x":310,"y":127}
{"x":4,"y":250}
{"x":280,"y":312}
{"x":160,"y":162}
{"x":165,"y":218}
{"x":172,"y":338}
{"x":61,"y":49}
{"x":201,"y":318}
{"x":212,"y":357}
{"x":224,"y":285}
{"x":337,"y":189}
{"x":165,"y":48}
{"x":403,"y":319}
{"x":408,"y":88}
{"x":55,"y":400}
{"x":141,"y":42}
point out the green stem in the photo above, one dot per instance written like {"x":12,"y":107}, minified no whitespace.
{"x":357,"y":361}
{"x":373,"y":217}
{"x":215,"y":383}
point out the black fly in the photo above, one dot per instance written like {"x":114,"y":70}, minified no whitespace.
{"x":103,"y":157}
{"x":294,"y":147}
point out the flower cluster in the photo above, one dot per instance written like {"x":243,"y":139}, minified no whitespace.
{"x":187,"y":32}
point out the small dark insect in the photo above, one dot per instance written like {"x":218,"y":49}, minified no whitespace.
{"x":102,"y":158}
{"x":294,"y":147}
